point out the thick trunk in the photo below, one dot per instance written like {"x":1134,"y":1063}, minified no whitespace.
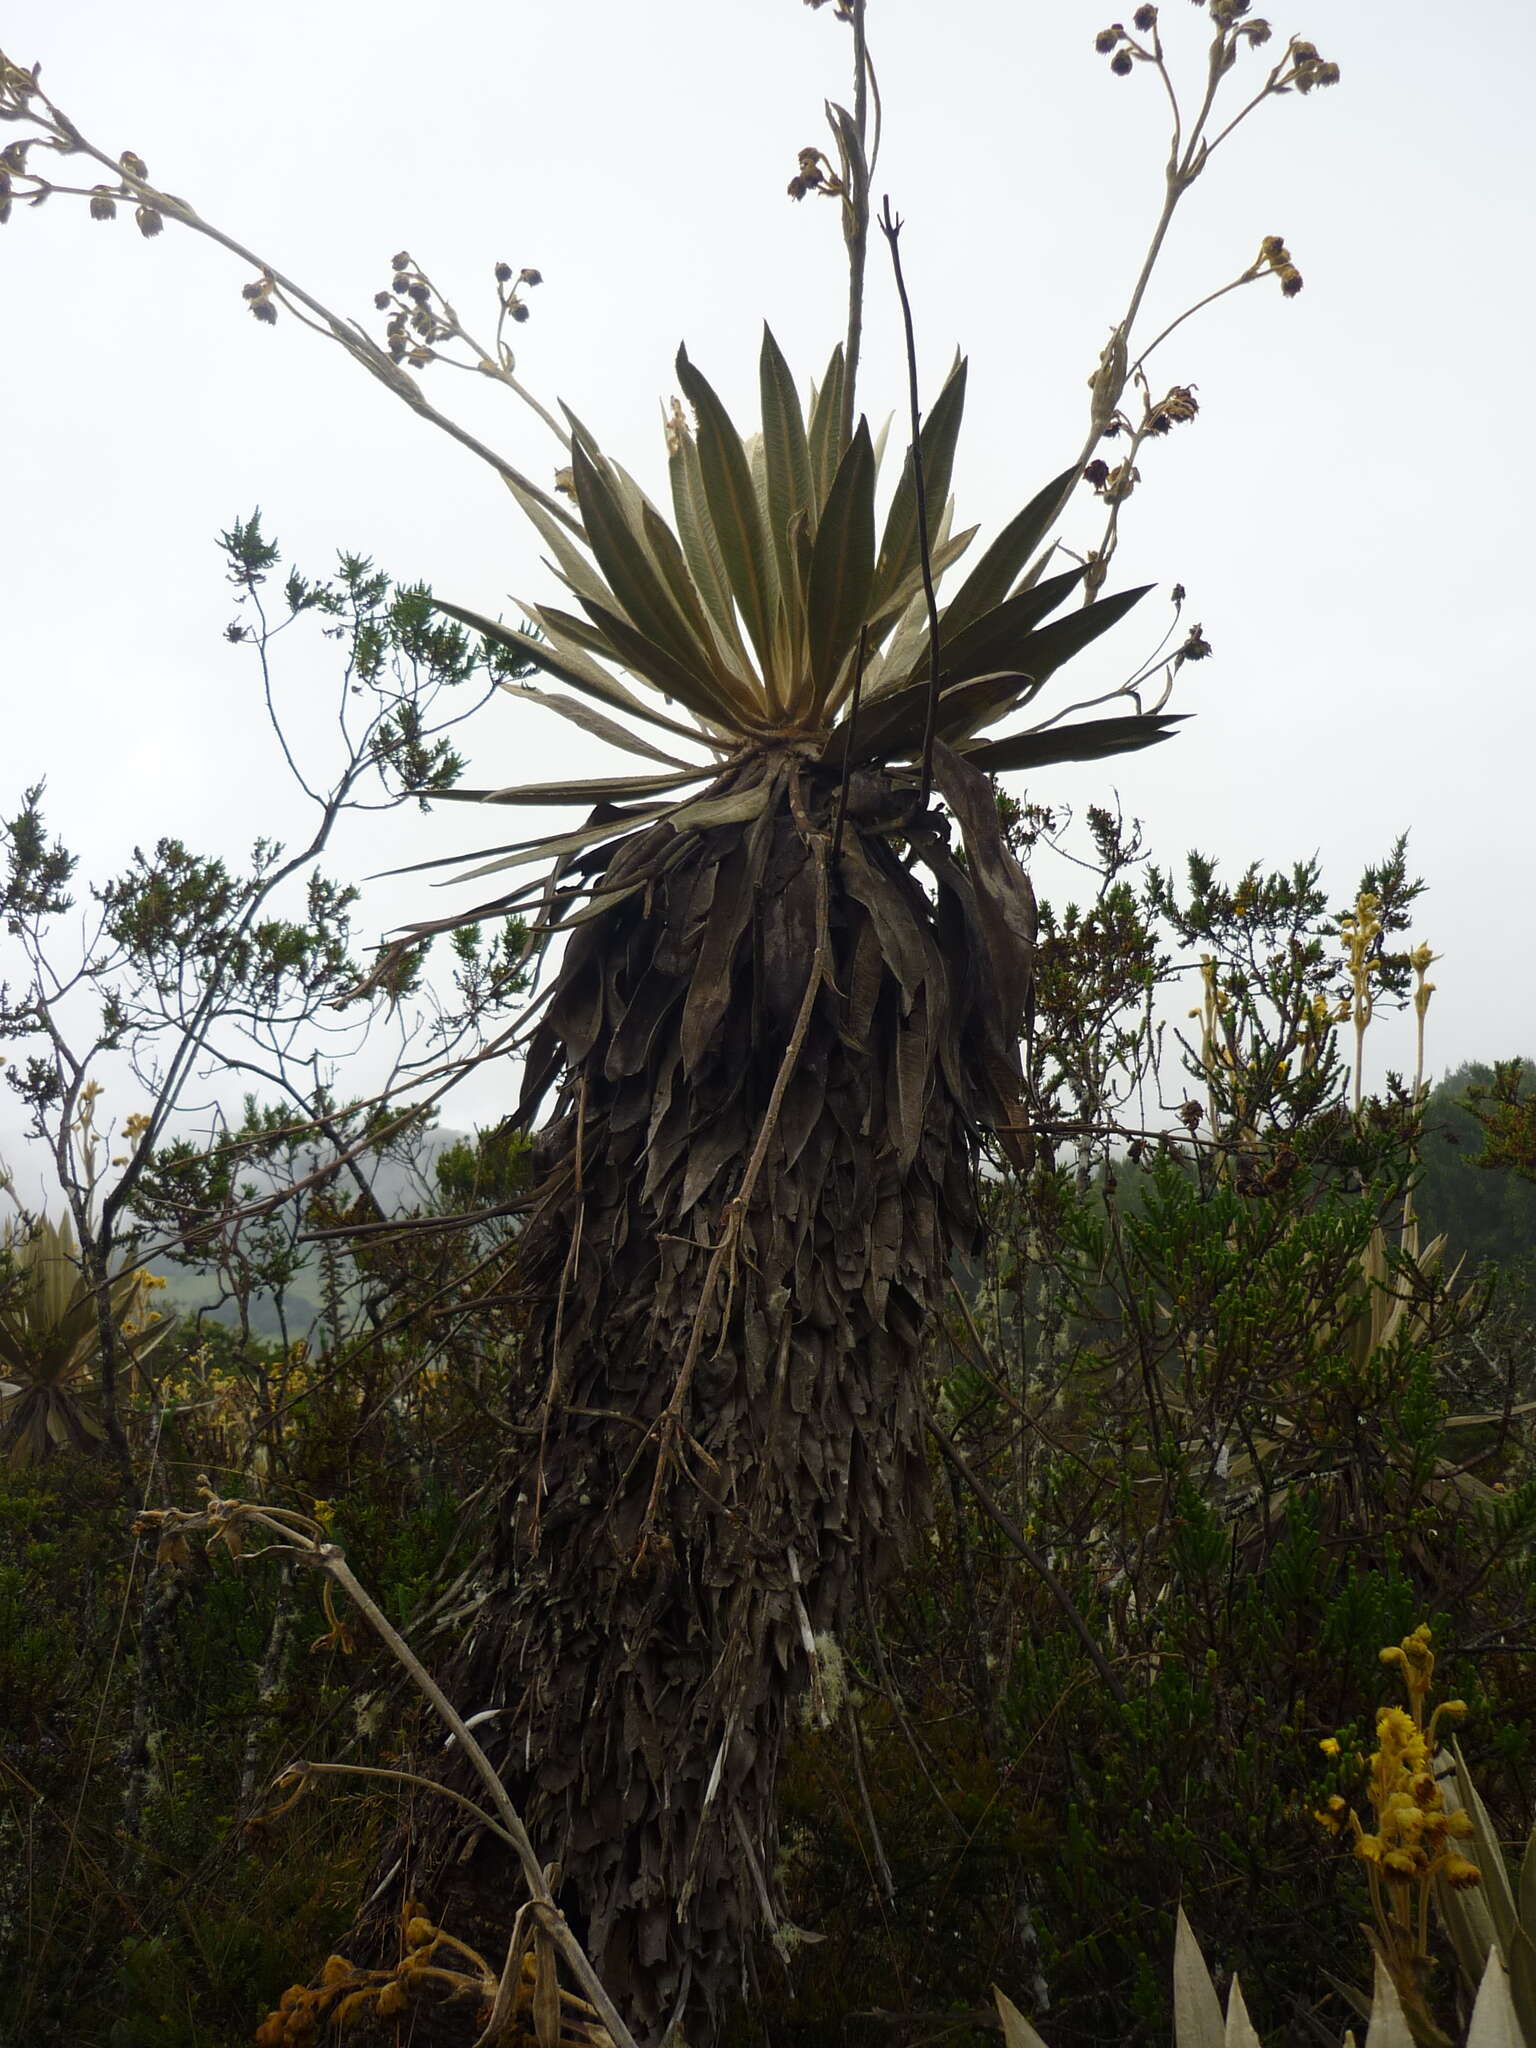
{"x":656,"y":1592}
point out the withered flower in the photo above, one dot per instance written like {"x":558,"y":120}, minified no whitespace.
{"x":530,"y":277}
{"x":1180,"y":405}
{"x":1316,"y":72}
{"x":1107,"y":38}
{"x":1145,"y":19}
{"x":1121,"y":63}
{"x":149,"y":221}
{"x":103,"y":205}
{"x":503,"y":273}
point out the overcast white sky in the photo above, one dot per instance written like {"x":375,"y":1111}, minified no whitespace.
{"x":1349,"y":513}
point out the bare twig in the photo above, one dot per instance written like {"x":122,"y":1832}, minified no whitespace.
{"x":997,"y":1513}
{"x":890,"y":227}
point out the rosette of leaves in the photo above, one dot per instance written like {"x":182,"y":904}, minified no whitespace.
{"x":50,"y":1342}
{"x":787,"y":1012}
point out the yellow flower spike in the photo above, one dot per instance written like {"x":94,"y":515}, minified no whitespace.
{"x":335,"y":1970}
{"x":1329,"y":1745}
{"x":1460,"y":1874}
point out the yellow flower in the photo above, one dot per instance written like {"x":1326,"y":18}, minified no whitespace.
{"x":324,"y":1512}
{"x":1329,"y":1745}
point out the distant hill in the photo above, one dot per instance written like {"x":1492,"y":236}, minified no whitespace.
{"x":398,"y":1190}
{"x":1488,"y":1216}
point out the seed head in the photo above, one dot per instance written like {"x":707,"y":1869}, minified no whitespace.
{"x":133,"y":165}
{"x":402,"y":261}
{"x":503,"y":273}
{"x":1145,"y":19}
{"x":1121,"y":63}
{"x":1315,"y":72}
{"x":1108,"y":38}
{"x":103,"y":205}
{"x":530,"y":277}
{"x":149,"y":221}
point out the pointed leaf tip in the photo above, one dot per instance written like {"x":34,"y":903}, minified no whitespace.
{"x":1017,"y":2031}
{"x":1196,"y":2009}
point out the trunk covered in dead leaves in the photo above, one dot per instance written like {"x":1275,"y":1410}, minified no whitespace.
{"x":773,"y":1061}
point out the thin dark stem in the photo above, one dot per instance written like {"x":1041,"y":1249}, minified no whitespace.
{"x":997,"y":1513}
{"x":856,"y":225}
{"x":853,"y":726}
{"x":890,"y":227}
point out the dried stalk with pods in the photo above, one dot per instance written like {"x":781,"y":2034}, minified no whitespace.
{"x":784,"y":1024}
{"x":300,"y":1539}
